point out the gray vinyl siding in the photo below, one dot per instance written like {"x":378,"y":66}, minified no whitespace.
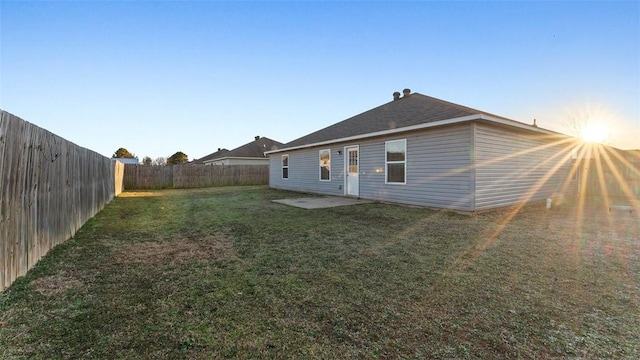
{"x":304,"y":171}
{"x":437,"y":169}
{"x":514,"y":167}
{"x":469,"y":167}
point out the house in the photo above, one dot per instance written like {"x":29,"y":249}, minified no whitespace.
{"x":219,"y":153}
{"x":125,"y":161}
{"x":424,"y":151}
{"x":252,"y":153}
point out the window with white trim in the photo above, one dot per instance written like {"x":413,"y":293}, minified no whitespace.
{"x":285,"y":166}
{"x":325,"y":165}
{"x":396,"y":161}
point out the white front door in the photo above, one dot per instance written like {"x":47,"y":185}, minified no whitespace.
{"x":352,"y":180}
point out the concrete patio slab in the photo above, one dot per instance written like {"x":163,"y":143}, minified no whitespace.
{"x":321,"y":202}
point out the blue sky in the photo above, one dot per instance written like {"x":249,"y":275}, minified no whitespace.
{"x":161,"y":77}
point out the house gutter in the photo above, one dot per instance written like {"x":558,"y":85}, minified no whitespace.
{"x":481,"y":117}
{"x":241,"y":157}
{"x":235,"y":158}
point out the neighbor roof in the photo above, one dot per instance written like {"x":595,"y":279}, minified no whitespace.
{"x":254,"y":149}
{"x":211,"y":156}
{"x":406,"y":112}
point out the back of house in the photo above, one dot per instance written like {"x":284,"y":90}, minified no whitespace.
{"x":424,"y":151}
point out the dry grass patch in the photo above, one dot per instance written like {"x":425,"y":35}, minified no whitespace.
{"x":134,"y":194}
{"x":55,"y":284}
{"x":175,"y":251}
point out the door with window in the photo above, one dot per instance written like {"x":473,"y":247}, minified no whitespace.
{"x":352,"y":181}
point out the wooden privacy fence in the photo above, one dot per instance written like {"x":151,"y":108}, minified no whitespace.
{"x":147,"y":177}
{"x":604,"y":173}
{"x":49,"y":187}
{"x":614,"y":178}
{"x":138,"y":177}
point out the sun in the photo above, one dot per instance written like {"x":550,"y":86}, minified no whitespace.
{"x":591,"y":121}
{"x":594,"y":132}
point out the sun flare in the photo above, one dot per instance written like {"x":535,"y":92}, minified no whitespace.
{"x":594,"y":132}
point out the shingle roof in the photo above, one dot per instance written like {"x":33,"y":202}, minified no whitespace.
{"x":254,"y":149}
{"x":415,"y":109}
{"x":211,"y":156}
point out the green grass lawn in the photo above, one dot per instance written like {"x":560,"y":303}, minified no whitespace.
{"x":226,"y":273}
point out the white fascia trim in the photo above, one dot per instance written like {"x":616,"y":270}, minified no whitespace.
{"x":517,"y":124}
{"x":245,"y":158}
{"x":451,"y":121}
{"x":236,"y":157}
{"x":380,"y":133}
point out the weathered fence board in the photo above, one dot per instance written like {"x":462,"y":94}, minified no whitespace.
{"x":147,"y":177}
{"x":49,"y":187}
{"x":138,"y":177}
{"x":611,"y":174}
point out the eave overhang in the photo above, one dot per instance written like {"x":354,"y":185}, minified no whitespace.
{"x":458,"y":120}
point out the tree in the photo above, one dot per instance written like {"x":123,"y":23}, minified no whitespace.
{"x":147,"y":161}
{"x":178,"y":158}
{"x":589,"y":123}
{"x":160,"y":161}
{"x":123,"y":153}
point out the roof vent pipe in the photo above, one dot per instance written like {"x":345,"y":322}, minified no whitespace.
{"x":257,"y":137}
{"x":396,"y":96}
{"x":406,"y":92}
{"x":534,"y":123}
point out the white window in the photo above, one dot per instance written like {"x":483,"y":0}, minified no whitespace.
{"x":285,"y":166}
{"x":396,"y":161}
{"x":325,"y":165}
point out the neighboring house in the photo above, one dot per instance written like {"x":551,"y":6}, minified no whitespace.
{"x":424,"y":151}
{"x":252,"y":153}
{"x":134,"y":161}
{"x":209,"y":157}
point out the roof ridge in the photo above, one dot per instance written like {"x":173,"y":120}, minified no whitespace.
{"x":250,"y":149}
{"x":406,"y":112}
{"x":462,"y":107}
{"x":447,"y":102}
